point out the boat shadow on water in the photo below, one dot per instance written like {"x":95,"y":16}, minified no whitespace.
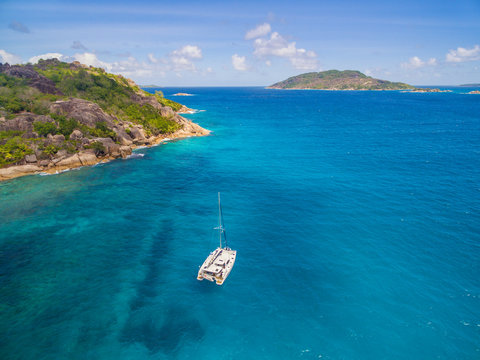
{"x":162,"y":331}
{"x":159,"y":328}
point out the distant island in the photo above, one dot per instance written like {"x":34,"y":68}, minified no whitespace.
{"x":470,"y":85}
{"x":182,"y":94}
{"x":56,"y":116}
{"x":338,"y":80}
{"x":429,"y":90}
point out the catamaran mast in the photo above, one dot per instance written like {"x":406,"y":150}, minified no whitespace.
{"x":220,"y":223}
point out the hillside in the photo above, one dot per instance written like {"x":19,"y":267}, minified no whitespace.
{"x":56,"y":115}
{"x":338,"y":80}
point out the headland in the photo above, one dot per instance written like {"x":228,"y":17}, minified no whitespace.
{"x":56,"y":116}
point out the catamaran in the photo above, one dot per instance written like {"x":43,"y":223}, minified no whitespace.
{"x":220,"y":262}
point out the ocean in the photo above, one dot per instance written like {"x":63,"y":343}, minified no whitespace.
{"x":355,"y":216}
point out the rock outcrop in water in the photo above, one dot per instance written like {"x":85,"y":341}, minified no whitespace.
{"x":56,"y":116}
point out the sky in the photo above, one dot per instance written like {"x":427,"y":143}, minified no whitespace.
{"x":249,"y":43}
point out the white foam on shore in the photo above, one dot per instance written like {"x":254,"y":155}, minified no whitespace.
{"x":60,"y":171}
{"x":101,"y":163}
{"x":192,"y":111}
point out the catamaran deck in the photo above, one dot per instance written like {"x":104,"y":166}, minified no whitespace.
{"x":218,"y":265}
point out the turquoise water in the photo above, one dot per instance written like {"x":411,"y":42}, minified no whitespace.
{"x":355,"y":216}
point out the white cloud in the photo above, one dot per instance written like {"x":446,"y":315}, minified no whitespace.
{"x":131,"y":67}
{"x":276,"y":45}
{"x":268,"y":63}
{"x":239,"y":62}
{"x":92,"y":60}
{"x":6,"y":57}
{"x":462,"y":54}
{"x":259,"y":31}
{"x":34,"y":59}
{"x":152,"y":58}
{"x":178,"y":60}
{"x":182,"y":59}
{"x":190,"y":51}
{"x":415,"y":63}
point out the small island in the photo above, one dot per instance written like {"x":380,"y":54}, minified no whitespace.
{"x":56,"y":116}
{"x":428,"y":90}
{"x":182,"y":94}
{"x":338,"y":80}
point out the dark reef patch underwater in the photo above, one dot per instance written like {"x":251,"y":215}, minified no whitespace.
{"x":355,"y":216}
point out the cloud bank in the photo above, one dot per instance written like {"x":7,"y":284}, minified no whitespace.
{"x":268,"y":47}
{"x":6,"y":57}
{"x":462,"y":54}
{"x":34,"y":59}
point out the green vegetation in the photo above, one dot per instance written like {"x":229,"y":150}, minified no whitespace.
{"x":4,"y":135}
{"x":116,"y":96}
{"x":112,"y":93}
{"x":98,"y":147}
{"x":51,"y":150}
{"x":67,"y":125}
{"x":16,"y":96}
{"x":338,"y":80}
{"x":101,"y":130}
{"x":167,"y":102}
{"x":14,"y":150}
{"x":151,"y":119}
{"x":44,"y":128}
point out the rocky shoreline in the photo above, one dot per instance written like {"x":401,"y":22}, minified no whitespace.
{"x":63,"y":161}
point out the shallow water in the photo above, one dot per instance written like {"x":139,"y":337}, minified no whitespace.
{"x":355,"y":216}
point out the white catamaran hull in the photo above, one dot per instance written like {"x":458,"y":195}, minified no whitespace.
{"x":218,"y":265}
{"x":220,"y":262}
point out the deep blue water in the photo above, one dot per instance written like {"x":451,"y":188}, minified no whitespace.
{"x":355,"y":216}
